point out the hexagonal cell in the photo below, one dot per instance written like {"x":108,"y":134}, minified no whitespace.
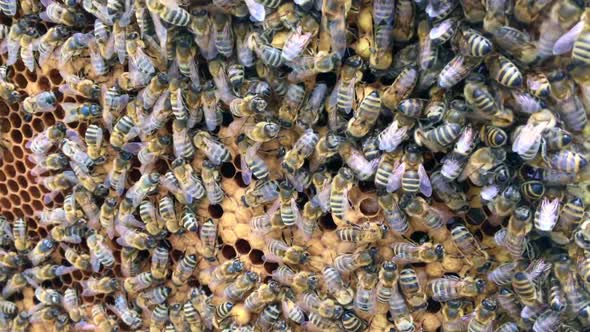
{"x":243,"y":246}
{"x":31,"y":76}
{"x":19,"y":66}
{"x":19,"y":154}
{"x":227,"y":170}
{"x":44,"y":84}
{"x":327,"y":223}
{"x":24,"y":195}
{"x":34,"y":191}
{"x":228,"y":252}
{"x":256,"y":257}
{"x":20,"y":81}
{"x":10,"y":172}
{"x":8,"y":157}
{"x":270,"y":267}
{"x":3,"y":189}
{"x":239,"y":181}
{"x":215,"y":211}
{"x":27,"y":131}
{"x":55,"y":77}
{"x":5,"y":203}
{"x":15,"y":120}
{"x":4,"y":110}
{"x":37,"y":205}
{"x":15,"y":199}
{"x":38,"y":125}
{"x":369,"y":206}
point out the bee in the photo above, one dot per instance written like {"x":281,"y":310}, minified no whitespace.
{"x":93,"y":286}
{"x":122,"y":310}
{"x":241,"y":286}
{"x":48,"y":296}
{"x":567,"y":161}
{"x":412,"y":289}
{"x":251,"y":163}
{"x":448,"y":289}
{"x":208,"y":236}
{"x":328,"y":146}
{"x":492,"y":136}
{"x":14,"y":285}
{"x":124,"y":130}
{"x":159,"y":317}
{"x":228,"y":271}
{"x":45,"y":140}
{"x":557,"y":299}
{"x":366,"y":233}
{"x":138,"y":283}
{"x":351,"y":322}
{"x":485,"y":313}
{"x":472,"y":43}
{"x":9,"y":8}
{"x":184,"y":269}
{"x":349,"y":75}
{"x":212,"y":182}
{"x":268,"y":54}
{"x":155,"y":147}
{"x":73,"y":47}
{"x":528,"y":141}
{"x":45,"y":101}
{"x":80,"y":261}
{"x":424,"y":253}
{"x":159,"y":263}
{"x":538,"y":84}
{"x":42,"y":251}
{"x":215,"y":151}
{"x":222,"y":313}
{"x":410,"y":175}
{"x":317,"y":322}
{"x":141,"y":67}
{"x":80,"y":112}
{"x":346,"y":263}
{"x":168,"y":214}
{"x":189,"y":220}
{"x":236,"y":76}
{"x":100,"y":253}
{"x":263,"y":295}
{"x":8,"y":91}
{"x":57,"y":13}
{"x":279,"y":251}
{"x":21,"y":322}
{"x":262,"y":192}
{"x":269,"y":316}
{"x":146,"y":183}
{"x":456,"y":70}
{"x":20,"y":236}
{"x":398,"y":309}
{"x":302,"y":149}
{"x":343,"y":294}
{"x":365,"y":299}
{"x":57,"y":183}
{"x":94,"y":138}
{"x":547,"y":214}
{"x":117,"y":177}
{"x":130,"y":238}
{"x":157,"y":85}
{"x":325,"y":308}
{"x":504,"y":71}
{"x":525,"y":288}
{"x":102,"y":320}
{"x":341,"y":184}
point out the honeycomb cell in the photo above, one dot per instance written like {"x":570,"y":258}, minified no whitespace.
{"x":24,"y":195}
{"x":19,"y":153}
{"x":270,"y":267}
{"x":38,"y":125}
{"x":44,"y":84}
{"x":327,"y":223}
{"x":2,"y":176}
{"x":67,"y":279}
{"x":42,"y":232}
{"x":55,"y":77}
{"x":34,"y":191}
{"x":243,"y":246}
{"x":20,"y":81}
{"x":27,"y":209}
{"x":215,"y":211}
{"x":27,"y":131}
{"x":369,"y":206}
{"x":15,"y":120}
{"x":256,"y":257}
{"x":228,"y":252}
{"x":19,"y":66}
{"x":20,"y":165}
{"x":239,"y":180}
{"x":14,"y":199}
{"x":237,"y":162}
{"x":4,"y":203}
{"x":134,"y":175}
{"x":31,"y":76}
{"x":8,"y":157}
{"x":4,"y":110}
{"x":3,"y":189}
{"x":227,"y":170}
{"x":69,"y":99}
{"x":10,"y":172}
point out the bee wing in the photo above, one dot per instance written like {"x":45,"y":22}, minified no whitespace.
{"x":566,"y":42}
{"x":537,"y":268}
{"x":425,"y":185}
{"x":257,"y":11}
{"x":246,"y":172}
{"x":395,"y":179}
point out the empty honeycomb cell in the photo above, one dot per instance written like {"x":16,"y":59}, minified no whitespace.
{"x":3,"y":189}
{"x":327,"y":223}
{"x":8,"y":158}
{"x":227,"y":170}
{"x":17,"y":137}
{"x":215,"y":211}
{"x":44,"y":84}
{"x":239,"y":180}
{"x":5,"y":203}
{"x":228,"y":252}
{"x":237,"y":162}
{"x":57,"y":114}
{"x":67,"y":279}
{"x":20,"y":80}
{"x":31,"y":76}
{"x":58,"y":95}
{"x":369,"y":206}
{"x":15,"y":199}
{"x":367,"y":186}
{"x":55,"y":77}
{"x":134,"y":175}
{"x":20,"y":168}
{"x":8,"y":214}
{"x":19,"y":66}
{"x":269,"y":267}
{"x":420,"y":237}
{"x":24,"y":195}
{"x":4,"y":110}
{"x":27,"y":131}
{"x":256,"y":257}
{"x":77,"y":275}
{"x":38,"y":124}
{"x":2,"y":176}
{"x":10,"y":172}
{"x":19,"y":153}
{"x":69,"y":99}
{"x":28,"y":210}
{"x":15,"y":120}
{"x":34,"y":191}
{"x":243,"y":246}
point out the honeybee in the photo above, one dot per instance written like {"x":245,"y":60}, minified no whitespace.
{"x":100,"y":253}
{"x":279,"y":251}
{"x":363,"y":234}
{"x":212,"y":182}
{"x":401,"y":88}
{"x":130,"y":238}
{"x":302,"y":149}
{"x":147,"y":183}
{"x":342,"y":293}
{"x":241,"y":286}
{"x":80,"y":112}
{"x":154,"y":147}
{"x":121,"y":308}
{"x":448,"y":289}
{"x":215,"y":151}
{"x":412,"y":253}
{"x":402,"y":319}
{"x":93,"y":286}
{"x":346,"y":263}
{"x":79,"y":260}
{"x":467,"y":244}
{"x":547,"y":215}
{"x":227,"y":271}
{"x":456,"y":70}
{"x":42,"y":250}
{"x":45,"y":140}
{"x":58,"y":13}
{"x":251,"y":163}
{"x":184,"y":269}
{"x":485,"y":313}
{"x":157,"y":85}
{"x":101,"y":320}
{"x":208,"y":235}
{"x":263,"y":192}
{"x":341,"y":184}
{"x":356,"y":161}
{"x":410,"y":175}
{"x":504,"y":71}
{"x":328,"y":146}
{"x":325,"y":308}
{"x":567,"y":161}
{"x":263,"y":295}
